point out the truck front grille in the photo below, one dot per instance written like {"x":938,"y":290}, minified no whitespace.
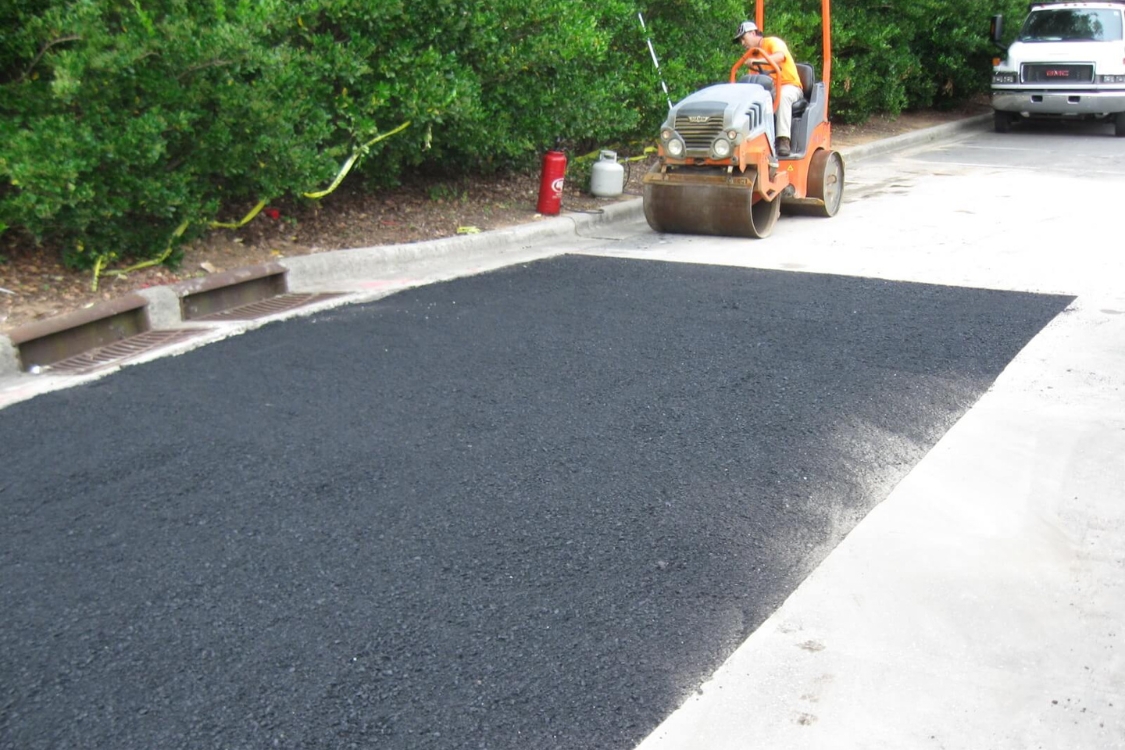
{"x":1062,"y":73}
{"x":698,"y":130}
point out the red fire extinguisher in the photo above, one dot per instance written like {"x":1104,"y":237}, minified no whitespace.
{"x":551,"y":182}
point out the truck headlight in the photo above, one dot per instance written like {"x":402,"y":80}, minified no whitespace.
{"x":1112,"y":79}
{"x":1003,"y":78}
{"x":720,"y":148}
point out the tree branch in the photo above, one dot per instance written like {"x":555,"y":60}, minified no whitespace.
{"x":43,"y":51}
{"x":201,"y":66}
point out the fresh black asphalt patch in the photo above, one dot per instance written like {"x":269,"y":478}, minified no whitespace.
{"x":529,"y":509}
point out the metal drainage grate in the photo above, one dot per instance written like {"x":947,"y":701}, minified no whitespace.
{"x":124,"y":349}
{"x":272,"y":306}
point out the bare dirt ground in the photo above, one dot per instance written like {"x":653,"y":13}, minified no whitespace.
{"x":35,"y":285}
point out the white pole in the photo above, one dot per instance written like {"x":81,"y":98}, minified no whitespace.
{"x":655,"y":62}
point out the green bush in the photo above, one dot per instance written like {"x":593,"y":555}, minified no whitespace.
{"x":122,"y":121}
{"x":893,"y":55}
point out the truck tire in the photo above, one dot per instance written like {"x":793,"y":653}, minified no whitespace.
{"x":1002,"y":121}
{"x":1119,"y":125}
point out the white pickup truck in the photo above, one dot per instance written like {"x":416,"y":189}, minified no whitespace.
{"x":1067,"y":62}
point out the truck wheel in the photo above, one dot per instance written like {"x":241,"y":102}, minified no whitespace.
{"x":1119,"y":125}
{"x":1002,"y":121}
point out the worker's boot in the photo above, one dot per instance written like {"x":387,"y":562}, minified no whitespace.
{"x":782,"y":146}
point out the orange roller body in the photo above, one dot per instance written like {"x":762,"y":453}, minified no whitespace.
{"x":718,"y":171}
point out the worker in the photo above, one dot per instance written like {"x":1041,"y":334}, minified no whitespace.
{"x":750,"y":36}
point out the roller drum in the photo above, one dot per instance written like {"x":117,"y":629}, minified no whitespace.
{"x":706,"y":203}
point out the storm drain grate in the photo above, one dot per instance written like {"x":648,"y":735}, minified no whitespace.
{"x":124,"y":349}
{"x":272,"y":306}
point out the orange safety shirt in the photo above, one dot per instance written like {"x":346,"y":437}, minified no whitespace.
{"x":771,"y":45}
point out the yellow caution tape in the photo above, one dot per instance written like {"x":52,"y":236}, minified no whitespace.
{"x":245,"y":219}
{"x":144,"y":264}
{"x":356,"y":155}
{"x":593,"y":154}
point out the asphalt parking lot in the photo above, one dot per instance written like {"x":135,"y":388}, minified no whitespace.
{"x":530,"y":508}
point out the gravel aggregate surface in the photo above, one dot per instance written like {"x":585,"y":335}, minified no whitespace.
{"x":533,"y":508}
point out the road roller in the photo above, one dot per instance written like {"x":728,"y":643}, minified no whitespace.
{"x":718,"y":171}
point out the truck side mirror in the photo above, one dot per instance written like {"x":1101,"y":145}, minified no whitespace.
{"x":996,"y":28}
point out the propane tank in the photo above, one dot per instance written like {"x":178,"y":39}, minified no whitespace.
{"x":551,"y":182}
{"x":607,"y":177}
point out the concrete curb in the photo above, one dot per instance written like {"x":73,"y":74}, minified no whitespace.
{"x":321,"y":270}
{"x":44,"y":328}
{"x":309,"y":272}
{"x":9,"y":357}
{"x":915,"y":138}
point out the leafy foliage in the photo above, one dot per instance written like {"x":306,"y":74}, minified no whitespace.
{"x":122,"y":120}
{"x":895,"y":55}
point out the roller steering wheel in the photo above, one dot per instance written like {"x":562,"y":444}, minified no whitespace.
{"x":763,"y":58}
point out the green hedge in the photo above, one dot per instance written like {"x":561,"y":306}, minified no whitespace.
{"x":895,"y":55}
{"x":123,"y":122}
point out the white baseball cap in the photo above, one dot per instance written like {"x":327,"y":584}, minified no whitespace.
{"x":744,"y":28}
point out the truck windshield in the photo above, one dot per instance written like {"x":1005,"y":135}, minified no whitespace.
{"x":1072,"y":25}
